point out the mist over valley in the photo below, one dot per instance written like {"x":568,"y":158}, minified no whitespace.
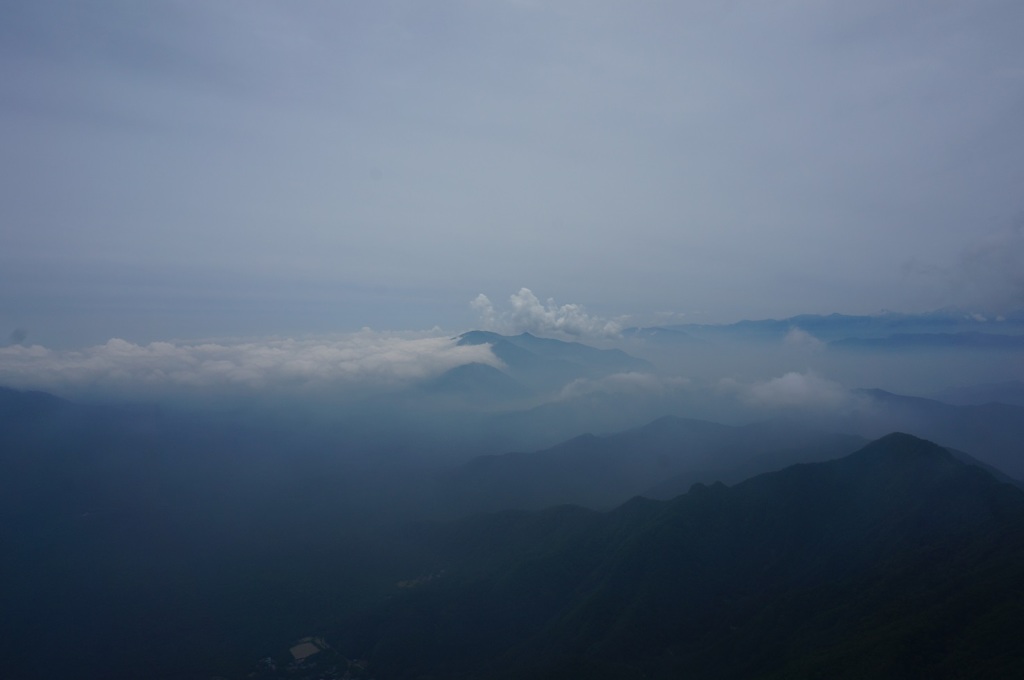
{"x":206,"y":505}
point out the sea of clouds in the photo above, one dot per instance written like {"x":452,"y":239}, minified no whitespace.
{"x":364,"y":360}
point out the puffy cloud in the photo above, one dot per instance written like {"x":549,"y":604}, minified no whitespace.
{"x":366,"y":359}
{"x":796,"y":390}
{"x":801,"y":339}
{"x":528,"y":313}
{"x":481,"y":304}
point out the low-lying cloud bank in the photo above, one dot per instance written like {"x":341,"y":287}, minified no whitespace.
{"x":797,"y":391}
{"x":364,"y":360}
{"x":527,"y":313}
{"x":800,"y":339}
{"x":632,"y":383}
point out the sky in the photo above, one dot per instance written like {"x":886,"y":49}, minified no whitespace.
{"x":189,"y":170}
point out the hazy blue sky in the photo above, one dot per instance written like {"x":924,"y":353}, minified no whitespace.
{"x":187,"y":169}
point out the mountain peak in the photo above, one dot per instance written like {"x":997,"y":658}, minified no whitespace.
{"x":904,"y":446}
{"x":479,"y":338}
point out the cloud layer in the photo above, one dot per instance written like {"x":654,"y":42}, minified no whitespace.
{"x":363,"y":360}
{"x":624,"y":384}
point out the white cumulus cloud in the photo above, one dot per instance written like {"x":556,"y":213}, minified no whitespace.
{"x":527,"y":313}
{"x":801,"y":339}
{"x":796,"y":390}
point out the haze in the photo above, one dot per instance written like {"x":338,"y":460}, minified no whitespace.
{"x":185,"y":170}
{"x":511,"y":339}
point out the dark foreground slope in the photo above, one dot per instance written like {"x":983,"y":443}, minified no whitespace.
{"x":897,"y":561}
{"x":141,"y":544}
{"x":138,"y":543}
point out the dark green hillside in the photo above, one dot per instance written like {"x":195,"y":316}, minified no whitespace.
{"x":897,"y":561}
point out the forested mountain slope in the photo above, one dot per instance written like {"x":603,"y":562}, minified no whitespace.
{"x":897,"y":561}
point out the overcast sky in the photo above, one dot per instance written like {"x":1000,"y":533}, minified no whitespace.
{"x":197,"y":169}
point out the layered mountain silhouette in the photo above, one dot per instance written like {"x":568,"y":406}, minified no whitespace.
{"x":941,"y":329}
{"x":659,"y":460}
{"x":477,"y":382}
{"x":897,"y":561}
{"x":198,"y":543}
{"x":993,"y":432}
{"x":917,"y":341}
{"x":1006,"y":392}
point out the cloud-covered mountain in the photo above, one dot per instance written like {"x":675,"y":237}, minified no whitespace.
{"x":239,"y":243}
{"x":276,"y":470}
{"x":477,"y":383}
{"x":547,"y":364}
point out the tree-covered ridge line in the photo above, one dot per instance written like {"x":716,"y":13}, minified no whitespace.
{"x":897,"y":561}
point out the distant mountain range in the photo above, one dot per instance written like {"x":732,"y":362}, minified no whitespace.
{"x":1007,"y":392}
{"x":200,"y":542}
{"x":908,"y":341}
{"x":948,"y":328}
{"x":990,"y":432}
{"x":993,"y":433}
{"x":659,"y":460}
{"x":897,"y":561}
{"x":664,"y":458}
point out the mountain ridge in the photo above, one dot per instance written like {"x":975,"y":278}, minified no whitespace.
{"x":698,"y":584}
